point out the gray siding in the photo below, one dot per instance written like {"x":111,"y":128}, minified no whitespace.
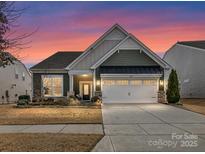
{"x":189,"y":64}
{"x":14,"y":86}
{"x":97,"y":52}
{"x":37,"y":83}
{"x":129,"y":58}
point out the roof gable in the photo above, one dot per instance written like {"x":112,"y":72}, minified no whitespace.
{"x":102,"y":45}
{"x":130,"y":43}
{"x":129,"y":58}
{"x":58,"y":60}
{"x":197,"y":44}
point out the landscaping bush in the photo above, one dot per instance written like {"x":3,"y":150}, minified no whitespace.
{"x":172,"y":92}
{"x":24,"y":97}
{"x":95,"y":99}
{"x":72,"y":97}
{"x":22,"y":102}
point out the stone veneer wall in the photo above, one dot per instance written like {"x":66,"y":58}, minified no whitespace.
{"x":161,"y":97}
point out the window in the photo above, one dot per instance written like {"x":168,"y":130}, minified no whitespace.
{"x":16,"y":74}
{"x":23,"y":76}
{"x":122,"y":82}
{"x":52,"y":85}
{"x":150,"y":82}
{"x":136,"y":82}
{"x":109,"y":82}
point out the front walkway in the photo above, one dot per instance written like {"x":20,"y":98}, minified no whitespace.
{"x":151,"y":127}
{"x":67,"y":128}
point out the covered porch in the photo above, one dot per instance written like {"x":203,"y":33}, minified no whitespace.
{"x":83,"y":84}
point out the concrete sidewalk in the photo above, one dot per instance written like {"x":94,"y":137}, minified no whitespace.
{"x":56,"y":128}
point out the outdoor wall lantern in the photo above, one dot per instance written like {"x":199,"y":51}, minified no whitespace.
{"x":98,"y":82}
{"x":161,"y":82}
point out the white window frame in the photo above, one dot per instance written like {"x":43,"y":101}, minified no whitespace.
{"x":23,"y":76}
{"x":50,"y":76}
{"x":147,"y":82}
{"x":122,"y":82}
{"x":16,"y":73}
{"x":136,"y":82}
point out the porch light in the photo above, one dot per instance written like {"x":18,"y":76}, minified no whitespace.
{"x":161,"y":83}
{"x":84,"y":75}
{"x":98,"y":82}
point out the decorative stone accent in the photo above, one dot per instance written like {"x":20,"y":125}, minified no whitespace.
{"x":161,"y":97}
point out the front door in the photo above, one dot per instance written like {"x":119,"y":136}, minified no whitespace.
{"x":86,"y":91}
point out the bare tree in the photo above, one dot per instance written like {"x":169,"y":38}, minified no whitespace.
{"x":9,"y":15}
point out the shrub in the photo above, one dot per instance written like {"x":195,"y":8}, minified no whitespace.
{"x":22,"y":102}
{"x":61,"y":102}
{"x":26,"y":97}
{"x":72,"y":97}
{"x":172,"y":92}
{"x":95,"y":99}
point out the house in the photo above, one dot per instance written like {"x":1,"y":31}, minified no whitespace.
{"x":188,"y":58}
{"x":116,"y":66}
{"x":15,"y":80}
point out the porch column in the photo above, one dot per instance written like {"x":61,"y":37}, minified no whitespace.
{"x":94,"y":82}
{"x":71,"y":83}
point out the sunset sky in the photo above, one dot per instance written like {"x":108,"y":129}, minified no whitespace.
{"x":73,"y":26}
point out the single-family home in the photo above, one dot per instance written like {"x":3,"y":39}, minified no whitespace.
{"x":117,"y":66}
{"x":15,"y":80}
{"x":188,"y":58}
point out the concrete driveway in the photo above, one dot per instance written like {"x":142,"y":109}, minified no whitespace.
{"x":151,"y":127}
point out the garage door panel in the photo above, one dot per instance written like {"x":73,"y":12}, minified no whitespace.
{"x":133,"y":92}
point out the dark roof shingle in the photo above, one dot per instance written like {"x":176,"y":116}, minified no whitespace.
{"x":59,"y":60}
{"x":198,"y":44}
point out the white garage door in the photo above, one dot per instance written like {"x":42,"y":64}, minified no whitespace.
{"x":129,"y":90}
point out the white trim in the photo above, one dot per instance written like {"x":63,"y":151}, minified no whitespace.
{"x":78,"y":72}
{"x":62,"y":89}
{"x":32,"y":92}
{"x":94,"y":81}
{"x":49,"y":71}
{"x":71,"y":83}
{"x":147,"y":51}
{"x":81,"y":88}
{"x":88,"y":50}
{"x":152,"y":54}
{"x":131,"y":75}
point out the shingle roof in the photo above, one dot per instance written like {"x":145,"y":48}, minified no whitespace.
{"x":198,"y":44}
{"x":131,"y":69}
{"x":59,"y":60}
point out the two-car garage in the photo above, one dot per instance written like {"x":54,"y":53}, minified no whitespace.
{"x":129,"y":90}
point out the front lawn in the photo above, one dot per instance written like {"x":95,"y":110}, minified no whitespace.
{"x":47,"y":142}
{"x":9,"y":114}
{"x":195,"y":105}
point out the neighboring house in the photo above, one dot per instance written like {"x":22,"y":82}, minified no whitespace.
{"x":15,"y":80}
{"x":188,"y":58}
{"x":117,"y":66}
